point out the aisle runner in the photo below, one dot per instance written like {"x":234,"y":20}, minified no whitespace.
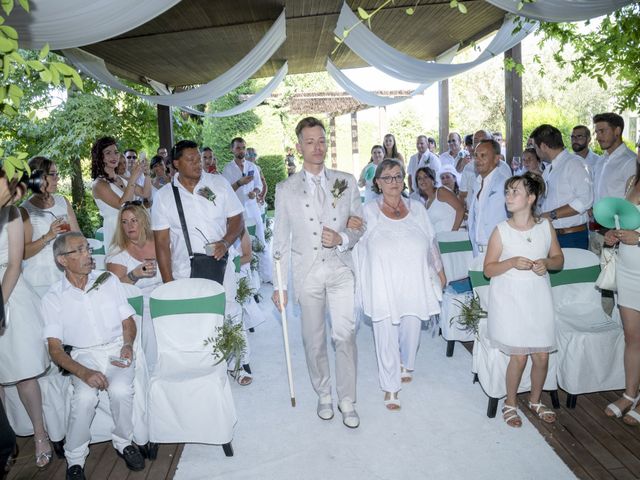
{"x":441,"y":432}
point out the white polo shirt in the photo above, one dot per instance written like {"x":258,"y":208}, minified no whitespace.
{"x":85,"y":319}
{"x":206,"y":220}
{"x":613,"y":171}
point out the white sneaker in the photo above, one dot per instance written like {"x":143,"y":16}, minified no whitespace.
{"x":325,"y":407}
{"x":349,"y":415}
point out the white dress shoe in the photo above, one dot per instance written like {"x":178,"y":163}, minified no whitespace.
{"x":325,"y":408}
{"x":349,"y":415}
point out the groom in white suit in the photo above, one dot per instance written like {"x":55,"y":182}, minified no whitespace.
{"x":312,"y":210}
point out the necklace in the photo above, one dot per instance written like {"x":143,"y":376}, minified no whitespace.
{"x":396,"y":209}
{"x":525,"y":234}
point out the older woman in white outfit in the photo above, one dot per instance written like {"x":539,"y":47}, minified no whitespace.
{"x":399,"y":288}
{"x":110,"y":190}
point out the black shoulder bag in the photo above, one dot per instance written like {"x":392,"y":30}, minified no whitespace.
{"x":202,"y":266}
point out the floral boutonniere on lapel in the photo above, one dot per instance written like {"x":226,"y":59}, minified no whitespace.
{"x":208,"y":194}
{"x":339,"y":186}
{"x":104,"y":276}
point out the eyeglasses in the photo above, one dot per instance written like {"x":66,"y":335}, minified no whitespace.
{"x":130,"y":203}
{"x":575,"y":137}
{"x":131,"y":157}
{"x":54,"y":175}
{"x":81,"y":250}
{"x":389,"y":179}
{"x":452,"y":141}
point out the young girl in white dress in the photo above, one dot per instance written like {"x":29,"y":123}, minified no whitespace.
{"x":520,"y":318}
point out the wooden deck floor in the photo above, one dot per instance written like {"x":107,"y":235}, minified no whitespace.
{"x":592,"y":445}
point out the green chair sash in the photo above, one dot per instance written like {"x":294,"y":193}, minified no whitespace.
{"x":236,"y":262}
{"x":453,"y":247}
{"x":100,"y":236}
{"x":263,"y":217}
{"x":252,"y":230}
{"x":574,"y":275}
{"x":99,"y":251}
{"x":212,"y":304}
{"x":137,"y":303}
{"x":478,"y":279}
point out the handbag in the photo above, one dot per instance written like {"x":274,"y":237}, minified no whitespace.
{"x":607,"y":278}
{"x":202,"y":266}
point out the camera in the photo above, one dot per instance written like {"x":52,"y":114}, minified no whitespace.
{"x":35,"y":182}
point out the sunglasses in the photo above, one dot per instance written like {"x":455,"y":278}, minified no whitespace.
{"x":131,"y":157}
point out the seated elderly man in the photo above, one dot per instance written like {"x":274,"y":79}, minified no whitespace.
{"x":89,"y":312}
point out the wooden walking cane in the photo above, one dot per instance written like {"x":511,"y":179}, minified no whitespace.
{"x":285,"y":329}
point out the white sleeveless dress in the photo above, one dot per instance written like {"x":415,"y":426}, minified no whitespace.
{"x":109,"y":214}
{"x":442,"y":215}
{"x":521,"y":318}
{"x":40,"y":270}
{"x":628,"y":275}
{"x":23,"y":352}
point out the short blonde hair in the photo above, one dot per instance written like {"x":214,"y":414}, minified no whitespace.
{"x":120,"y":240}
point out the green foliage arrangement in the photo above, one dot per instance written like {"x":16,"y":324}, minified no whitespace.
{"x":244,"y":291}
{"x":228,"y":342}
{"x":254,"y":264}
{"x":470,"y":314}
{"x":274,"y":171}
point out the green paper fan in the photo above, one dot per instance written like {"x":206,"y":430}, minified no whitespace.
{"x":606,"y":210}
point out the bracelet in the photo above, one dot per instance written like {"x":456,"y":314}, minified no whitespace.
{"x":225,"y":243}
{"x":132,"y":277}
{"x":44,"y":240}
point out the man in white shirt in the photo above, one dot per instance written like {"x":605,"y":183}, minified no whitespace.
{"x":424,"y":158}
{"x":240,"y":174}
{"x":90,"y":312}
{"x":569,"y":191}
{"x":487,"y":206}
{"x":580,"y":140}
{"x":618,"y":162}
{"x":212,"y":211}
{"x":450,"y":157}
{"x":313,"y":207}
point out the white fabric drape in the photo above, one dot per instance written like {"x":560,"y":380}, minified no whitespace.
{"x":245,"y":106}
{"x":232,"y":78}
{"x":74,"y":23}
{"x":368,"y":98}
{"x":561,"y":10}
{"x":379,"y":54}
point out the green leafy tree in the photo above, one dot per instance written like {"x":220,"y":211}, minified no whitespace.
{"x":608,"y":49}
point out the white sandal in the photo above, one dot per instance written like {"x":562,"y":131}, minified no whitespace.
{"x":632,"y":418}
{"x":617,"y":413}
{"x":511,"y":417}
{"x":544,"y":413}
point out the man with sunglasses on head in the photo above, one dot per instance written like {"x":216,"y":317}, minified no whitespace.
{"x":89,"y":311}
{"x":450,"y":157}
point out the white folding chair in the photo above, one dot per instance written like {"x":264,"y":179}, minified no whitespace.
{"x":97,"y":245}
{"x":490,"y":364}
{"x":590,"y":342}
{"x":190,"y":397}
{"x":100,"y":261}
{"x":457,"y":254}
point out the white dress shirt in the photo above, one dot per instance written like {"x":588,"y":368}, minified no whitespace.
{"x":568,"y":183}
{"x":427,"y":159}
{"x":447,"y":159}
{"x":484,"y":187}
{"x":85,"y":319}
{"x":233,"y":173}
{"x":613,"y":171}
{"x":591,"y":161}
{"x":206,"y":220}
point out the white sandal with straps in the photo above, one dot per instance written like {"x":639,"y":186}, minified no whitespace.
{"x":511,"y":417}
{"x":544,"y":413}
{"x":617,"y":413}
{"x":632,"y":418}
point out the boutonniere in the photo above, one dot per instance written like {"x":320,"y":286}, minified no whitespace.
{"x":104,"y":276}
{"x":208,"y":194}
{"x":339,"y":186}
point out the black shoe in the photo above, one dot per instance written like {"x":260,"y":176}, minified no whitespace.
{"x":247,"y":368}
{"x":152,"y":450}
{"x":133,"y":458}
{"x":75,"y":472}
{"x":58,"y":448}
{"x":252,"y":329}
{"x":256,"y":297}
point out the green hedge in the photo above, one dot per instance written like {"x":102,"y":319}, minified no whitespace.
{"x":274,"y":171}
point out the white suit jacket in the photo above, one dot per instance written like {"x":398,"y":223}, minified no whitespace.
{"x":298,"y":227}
{"x":493,"y":209}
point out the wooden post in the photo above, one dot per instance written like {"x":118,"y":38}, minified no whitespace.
{"x":443,"y":117}
{"x":355,"y":156}
{"x":332,"y":140}
{"x":513,"y":105}
{"x":165,"y":127}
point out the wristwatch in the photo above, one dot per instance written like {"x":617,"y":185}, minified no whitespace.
{"x":225,"y":243}
{"x":553,"y":214}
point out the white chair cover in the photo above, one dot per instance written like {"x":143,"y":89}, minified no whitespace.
{"x":590,"y":343}
{"x":490,"y":363}
{"x":456,"y":253}
{"x":190,"y":399}
{"x":97,"y":245}
{"x":100,"y":260}
{"x":102,"y":423}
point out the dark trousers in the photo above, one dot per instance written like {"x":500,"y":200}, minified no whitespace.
{"x":7,"y":439}
{"x":575,"y":240}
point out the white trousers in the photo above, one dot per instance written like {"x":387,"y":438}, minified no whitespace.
{"x":396,"y":347}
{"x":330,"y":284}
{"x":85,"y":400}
